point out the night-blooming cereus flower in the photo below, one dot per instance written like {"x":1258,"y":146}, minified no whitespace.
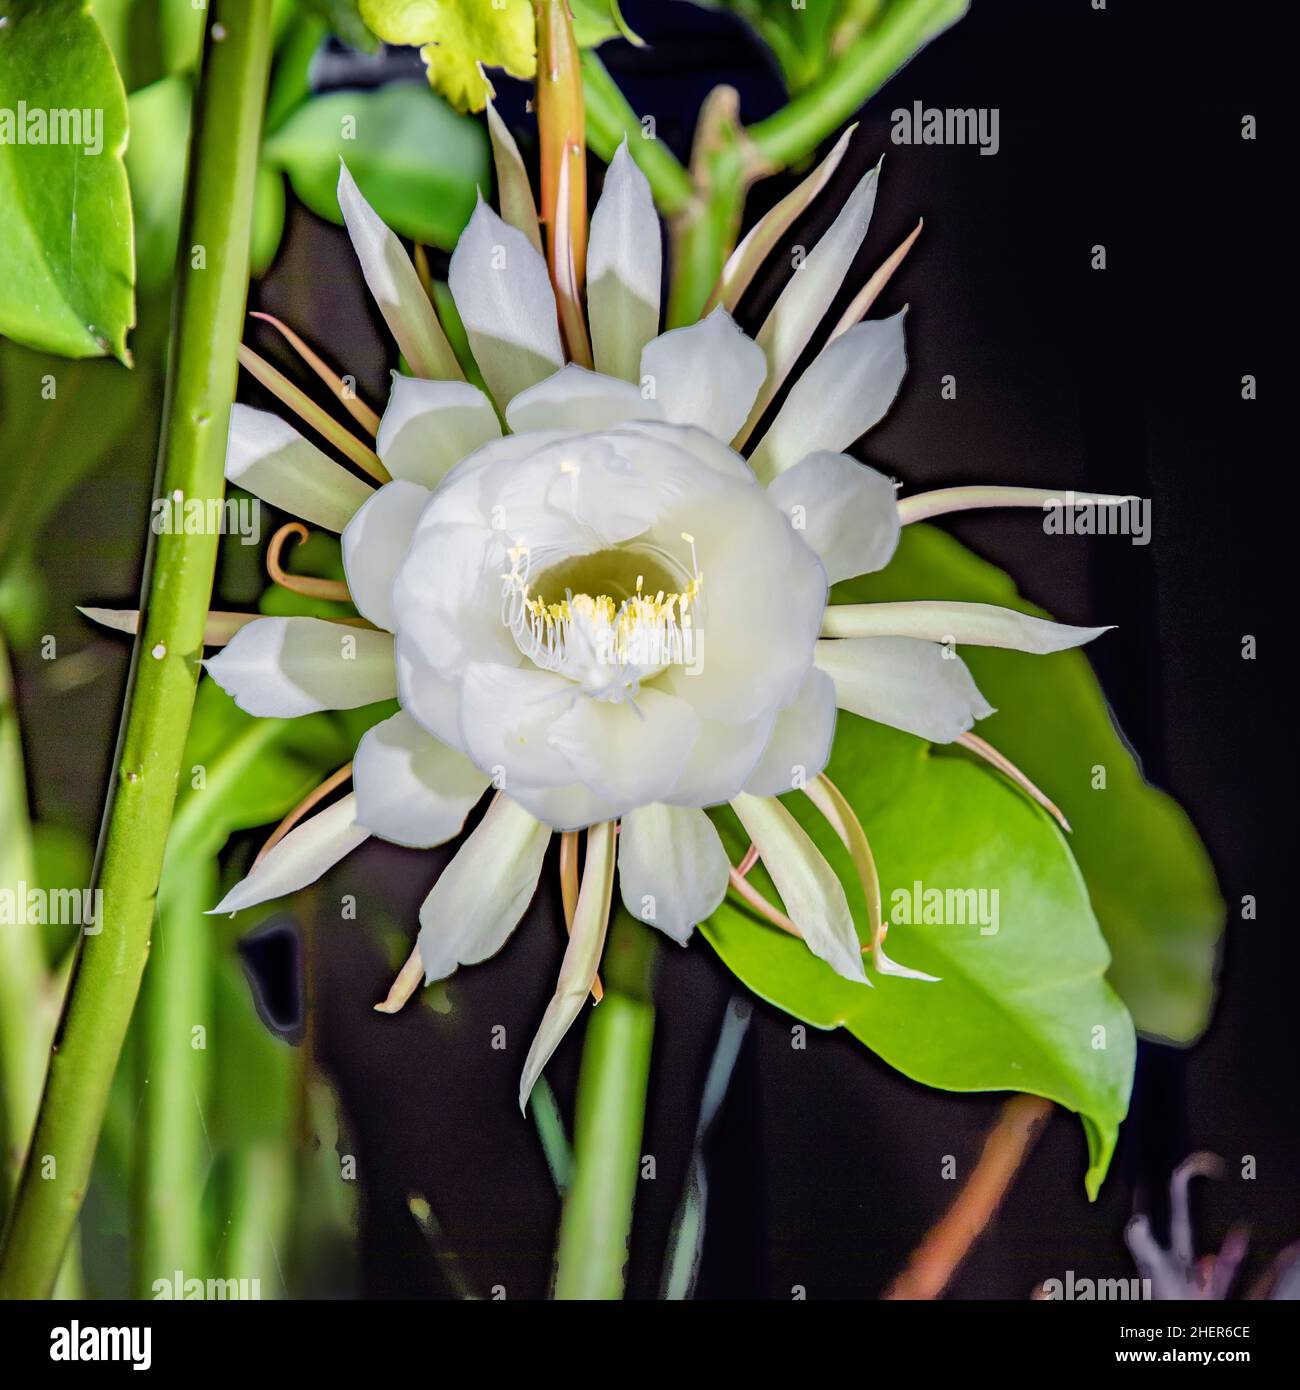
{"x":588,"y":602}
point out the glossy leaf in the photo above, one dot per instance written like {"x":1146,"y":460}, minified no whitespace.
{"x":417,"y":162}
{"x":1151,"y":883}
{"x":1020,"y":1004}
{"x":458,"y":39}
{"x":66,"y":261}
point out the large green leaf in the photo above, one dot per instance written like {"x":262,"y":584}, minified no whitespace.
{"x":418,"y":163}
{"x":1024,"y":1007}
{"x":66,"y":259}
{"x":1151,"y":883}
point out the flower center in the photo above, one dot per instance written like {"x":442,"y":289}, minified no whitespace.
{"x":608,"y":620}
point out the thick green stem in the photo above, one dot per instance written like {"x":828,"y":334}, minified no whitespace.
{"x":212,"y":281}
{"x":176,"y":1014}
{"x":610,"y":118}
{"x":597,"y":1221}
{"x":795,"y":131}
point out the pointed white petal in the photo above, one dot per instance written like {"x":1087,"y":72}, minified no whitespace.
{"x":410,"y":788}
{"x":514,"y":191}
{"x":375,"y":543}
{"x":396,"y":287}
{"x":581,"y":956}
{"x":623,"y":269}
{"x":706,"y":375}
{"x":266,"y":456}
{"x":920,"y":687}
{"x":794,"y":318}
{"x":578,"y":400}
{"x":481,"y":895}
{"x":847,"y":389}
{"x":283,"y":667}
{"x":429,"y":426}
{"x":431,"y":699}
{"x":800,"y":745}
{"x":843,"y":509}
{"x":305,"y":853}
{"x":813,"y":896}
{"x":504,"y":296}
{"x":672,"y":868}
{"x":966,"y":624}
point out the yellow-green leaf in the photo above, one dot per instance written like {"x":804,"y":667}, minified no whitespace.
{"x":458,"y":39}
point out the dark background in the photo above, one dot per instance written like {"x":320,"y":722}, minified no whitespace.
{"x":1119,"y":127}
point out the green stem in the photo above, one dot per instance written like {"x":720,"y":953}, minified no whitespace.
{"x":212,"y":281}
{"x":173,"y":1155}
{"x":795,"y":131}
{"x":610,"y":118}
{"x":597,"y":1218}
{"x":24,"y":979}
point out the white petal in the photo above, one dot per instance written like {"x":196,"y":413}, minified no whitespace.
{"x":283,"y":667}
{"x":813,"y":896}
{"x":973,"y":624}
{"x":845,"y":510}
{"x":581,"y":956}
{"x":724,"y":757}
{"x":396,"y":287}
{"x":503,"y":293}
{"x":375,"y":542}
{"x":266,"y":456}
{"x":514,"y":192}
{"x":800,"y":746}
{"x":580,"y":401}
{"x":623,"y":269}
{"x":481,"y":895}
{"x":431,"y":700}
{"x":672,"y":868}
{"x":429,"y":426}
{"x":410,"y":788}
{"x":632,"y":753}
{"x":920,"y":687}
{"x":506,"y":715}
{"x":700,"y":444}
{"x":795,"y":316}
{"x":706,"y":375}
{"x":574,"y":807}
{"x":846,"y":390}
{"x":305,"y":853}
{"x":447,"y":598}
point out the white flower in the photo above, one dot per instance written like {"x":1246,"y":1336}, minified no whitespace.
{"x":605,"y":612}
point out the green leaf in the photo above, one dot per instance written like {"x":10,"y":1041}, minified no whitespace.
{"x":1024,"y":1007}
{"x":58,"y":420}
{"x":268,"y":219}
{"x":595,"y":21}
{"x":155,"y":165}
{"x":151,"y":39}
{"x":417,"y":162}
{"x":1151,"y":883}
{"x":458,"y":38}
{"x":66,"y":266}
